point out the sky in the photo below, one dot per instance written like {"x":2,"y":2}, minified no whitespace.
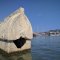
{"x":44,"y":15}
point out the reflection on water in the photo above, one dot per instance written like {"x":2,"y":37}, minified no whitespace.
{"x":25,"y":55}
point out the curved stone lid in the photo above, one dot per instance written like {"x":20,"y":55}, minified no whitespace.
{"x":15,"y":26}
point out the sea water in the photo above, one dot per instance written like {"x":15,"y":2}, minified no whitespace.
{"x":46,"y":48}
{"x":24,"y":55}
{"x":42,"y":48}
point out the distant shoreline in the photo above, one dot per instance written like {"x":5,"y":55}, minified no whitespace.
{"x":55,"y":32}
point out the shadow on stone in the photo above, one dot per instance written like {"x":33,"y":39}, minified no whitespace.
{"x":19,"y":42}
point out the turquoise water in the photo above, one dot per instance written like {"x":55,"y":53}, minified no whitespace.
{"x":46,"y":48}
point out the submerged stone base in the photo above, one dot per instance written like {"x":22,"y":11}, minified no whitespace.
{"x":9,"y":46}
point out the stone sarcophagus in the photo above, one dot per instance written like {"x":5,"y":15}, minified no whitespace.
{"x":15,"y":32}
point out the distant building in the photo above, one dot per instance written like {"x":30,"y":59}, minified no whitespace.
{"x":54,"y":32}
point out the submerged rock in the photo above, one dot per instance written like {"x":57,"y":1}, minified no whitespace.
{"x":12,"y":28}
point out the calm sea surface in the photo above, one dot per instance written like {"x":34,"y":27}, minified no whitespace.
{"x":46,"y":48}
{"x":43,"y":48}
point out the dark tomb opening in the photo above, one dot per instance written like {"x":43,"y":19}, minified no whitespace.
{"x":19,"y":42}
